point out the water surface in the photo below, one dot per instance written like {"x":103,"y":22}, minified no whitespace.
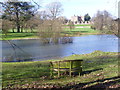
{"x":81,"y":45}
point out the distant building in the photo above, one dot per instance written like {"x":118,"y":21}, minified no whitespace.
{"x":77,"y":19}
{"x":74,"y":19}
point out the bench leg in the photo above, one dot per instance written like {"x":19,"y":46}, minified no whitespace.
{"x":70,"y":68}
{"x":58,"y":69}
{"x":58,"y":73}
{"x":80,"y":71}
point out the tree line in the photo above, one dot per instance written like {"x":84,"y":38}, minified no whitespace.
{"x":16,"y":14}
{"x":105,"y":22}
{"x":22,"y":16}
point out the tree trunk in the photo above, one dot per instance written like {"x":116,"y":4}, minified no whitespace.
{"x":13,"y":30}
{"x":17,"y":21}
{"x":31,"y":29}
{"x":18,"y":28}
{"x":21,"y":29}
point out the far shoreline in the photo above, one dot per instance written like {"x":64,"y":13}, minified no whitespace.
{"x":36,"y":38}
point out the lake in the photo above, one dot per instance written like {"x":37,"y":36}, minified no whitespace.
{"x":33,"y":49}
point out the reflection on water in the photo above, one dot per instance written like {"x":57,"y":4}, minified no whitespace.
{"x":33,"y":49}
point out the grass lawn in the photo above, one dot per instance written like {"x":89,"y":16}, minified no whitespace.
{"x":99,"y":68}
{"x":11,"y":36}
{"x":82,"y":30}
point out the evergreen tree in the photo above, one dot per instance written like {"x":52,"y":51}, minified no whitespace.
{"x":18,"y":12}
{"x":87,"y":17}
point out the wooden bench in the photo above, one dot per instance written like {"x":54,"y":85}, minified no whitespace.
{"x":66,"y":65}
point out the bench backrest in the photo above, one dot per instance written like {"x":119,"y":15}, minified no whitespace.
{"x":67,"y":64}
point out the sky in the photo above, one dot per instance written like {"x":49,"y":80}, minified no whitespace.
{"x":82,"y":7}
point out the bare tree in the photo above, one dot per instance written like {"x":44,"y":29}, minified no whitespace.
{"x":98,"y":21}
{"x":104,"y":21}
{"x":54,"y":9}
{"x":43,"y":15}
{"x":33,"y":23}
{"x":115,"y":27}
{"x":63,"y":19}
{"x":49,"y":31}
{"x":51,"y":27}
{"x":71,"y":25}
{"x":6,"y":25}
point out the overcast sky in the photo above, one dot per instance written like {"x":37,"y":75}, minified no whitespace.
{"x":81,"y":7}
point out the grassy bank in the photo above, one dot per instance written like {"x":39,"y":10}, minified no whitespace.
{"x":11,"y":36}
{"x":81,"y":31}
{"x":98,"y":68}
{"x":66,"y":32}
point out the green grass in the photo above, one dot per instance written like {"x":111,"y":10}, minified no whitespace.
{"x":82,"y":30}
{"x":22,"y":72}
{"x":96,"y":66}
{"x":10,"y":36}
